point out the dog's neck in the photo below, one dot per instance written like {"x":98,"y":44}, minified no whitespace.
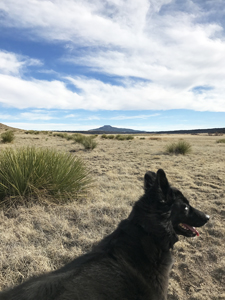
{"x":162,"y":233}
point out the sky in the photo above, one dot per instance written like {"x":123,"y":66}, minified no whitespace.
{"x":141,"y":64}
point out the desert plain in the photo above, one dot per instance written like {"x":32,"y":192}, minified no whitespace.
{"x":39,"y":238}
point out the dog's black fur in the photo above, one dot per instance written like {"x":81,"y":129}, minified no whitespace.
{"x":132,"y":263}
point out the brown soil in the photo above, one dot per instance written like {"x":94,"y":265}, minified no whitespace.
{"x":39,"y":238}
{"x":5,"y":127}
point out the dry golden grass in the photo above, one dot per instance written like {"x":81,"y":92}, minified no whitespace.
{"x":38,"y":238}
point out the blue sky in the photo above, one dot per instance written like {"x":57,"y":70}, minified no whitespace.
{"x":80,"y":64}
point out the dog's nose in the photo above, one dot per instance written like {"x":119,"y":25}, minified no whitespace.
{"x":207,"y":217}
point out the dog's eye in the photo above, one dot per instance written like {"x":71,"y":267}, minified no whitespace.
{"x":186,"y":209}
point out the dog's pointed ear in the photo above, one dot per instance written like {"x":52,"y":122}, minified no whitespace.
{"x":149,"y":179}
{"x":162,"y":181}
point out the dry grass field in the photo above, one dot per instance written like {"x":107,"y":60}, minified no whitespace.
{"x":40,"y":238}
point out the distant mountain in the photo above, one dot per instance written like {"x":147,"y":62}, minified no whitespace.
{"x":111,"y":129}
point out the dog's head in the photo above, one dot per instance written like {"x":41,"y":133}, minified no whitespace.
{"x":172,"y":204}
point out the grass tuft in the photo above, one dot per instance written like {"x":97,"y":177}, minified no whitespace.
{"x":221,"y":141}
{"x":37,"y":172}
{"x":8,"y":136}
{"x":181,"y":147}
{"x":32,"y":132}
{"x":78,"y":138}
{"x":108,"y":136}
{"x":123,"y":137}
{"x":89,"y":143}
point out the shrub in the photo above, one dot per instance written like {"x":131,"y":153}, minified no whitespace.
{"x":108,"y":136}
{"x":32,"y":132}
{"x":88,"y":143}
{"x":69,"y":137}
{"x":39,"y":172}
{"x":29,"y":131}
{"x":61,"y":134}
{"x":221,"y":141}
{"x":78,"y":137}
{"x":181,"y":147}
{"x":129,"y":137}
{"x":123,"y":137}
{"x":155,"y":138}
{"x":8,"y":136}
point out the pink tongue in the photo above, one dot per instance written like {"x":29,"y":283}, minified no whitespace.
{"x":192,"y":229}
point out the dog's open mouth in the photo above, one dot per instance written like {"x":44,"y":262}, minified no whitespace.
{"x":192,"y":231}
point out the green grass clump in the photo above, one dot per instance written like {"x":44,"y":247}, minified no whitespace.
{"x":60,"y":134}
{"x":78,"y":137}
{"x":108,"y":136}
{"x":8,"y":136}
{"x":37,"y":172}
{"x":123,"y":137}
{"x":89,"y":143}
{"x":181,"y":147}
{"x":221,"y":141}
{"x":32,"y":132}
{"x":69,"y":137}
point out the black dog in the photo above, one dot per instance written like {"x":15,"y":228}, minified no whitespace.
{"x":132,"y":263}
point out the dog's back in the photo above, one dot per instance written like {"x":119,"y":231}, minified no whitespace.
{"x":132,"y":263}
{"x":125,"y":265}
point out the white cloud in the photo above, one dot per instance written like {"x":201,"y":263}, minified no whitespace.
{"x":95,"y":95}
{"x":6,"y":117}
{"x":20,"y":93}
{"x":36,"y":116}
{"x":123,"y":117}
{"x":173,"y":53}
{"x":70,"y":116}
{"x":14,"y":64}
{"x":71,"y":19}
{"x":146,"y":96}
{"x":9,"y":64}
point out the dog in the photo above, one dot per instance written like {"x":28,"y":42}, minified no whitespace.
{"x":133,"y":262}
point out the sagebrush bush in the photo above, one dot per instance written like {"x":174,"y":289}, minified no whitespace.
{"x":8,"y":136}
{"x":181,"y":147}
{"x":39,"y":172}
